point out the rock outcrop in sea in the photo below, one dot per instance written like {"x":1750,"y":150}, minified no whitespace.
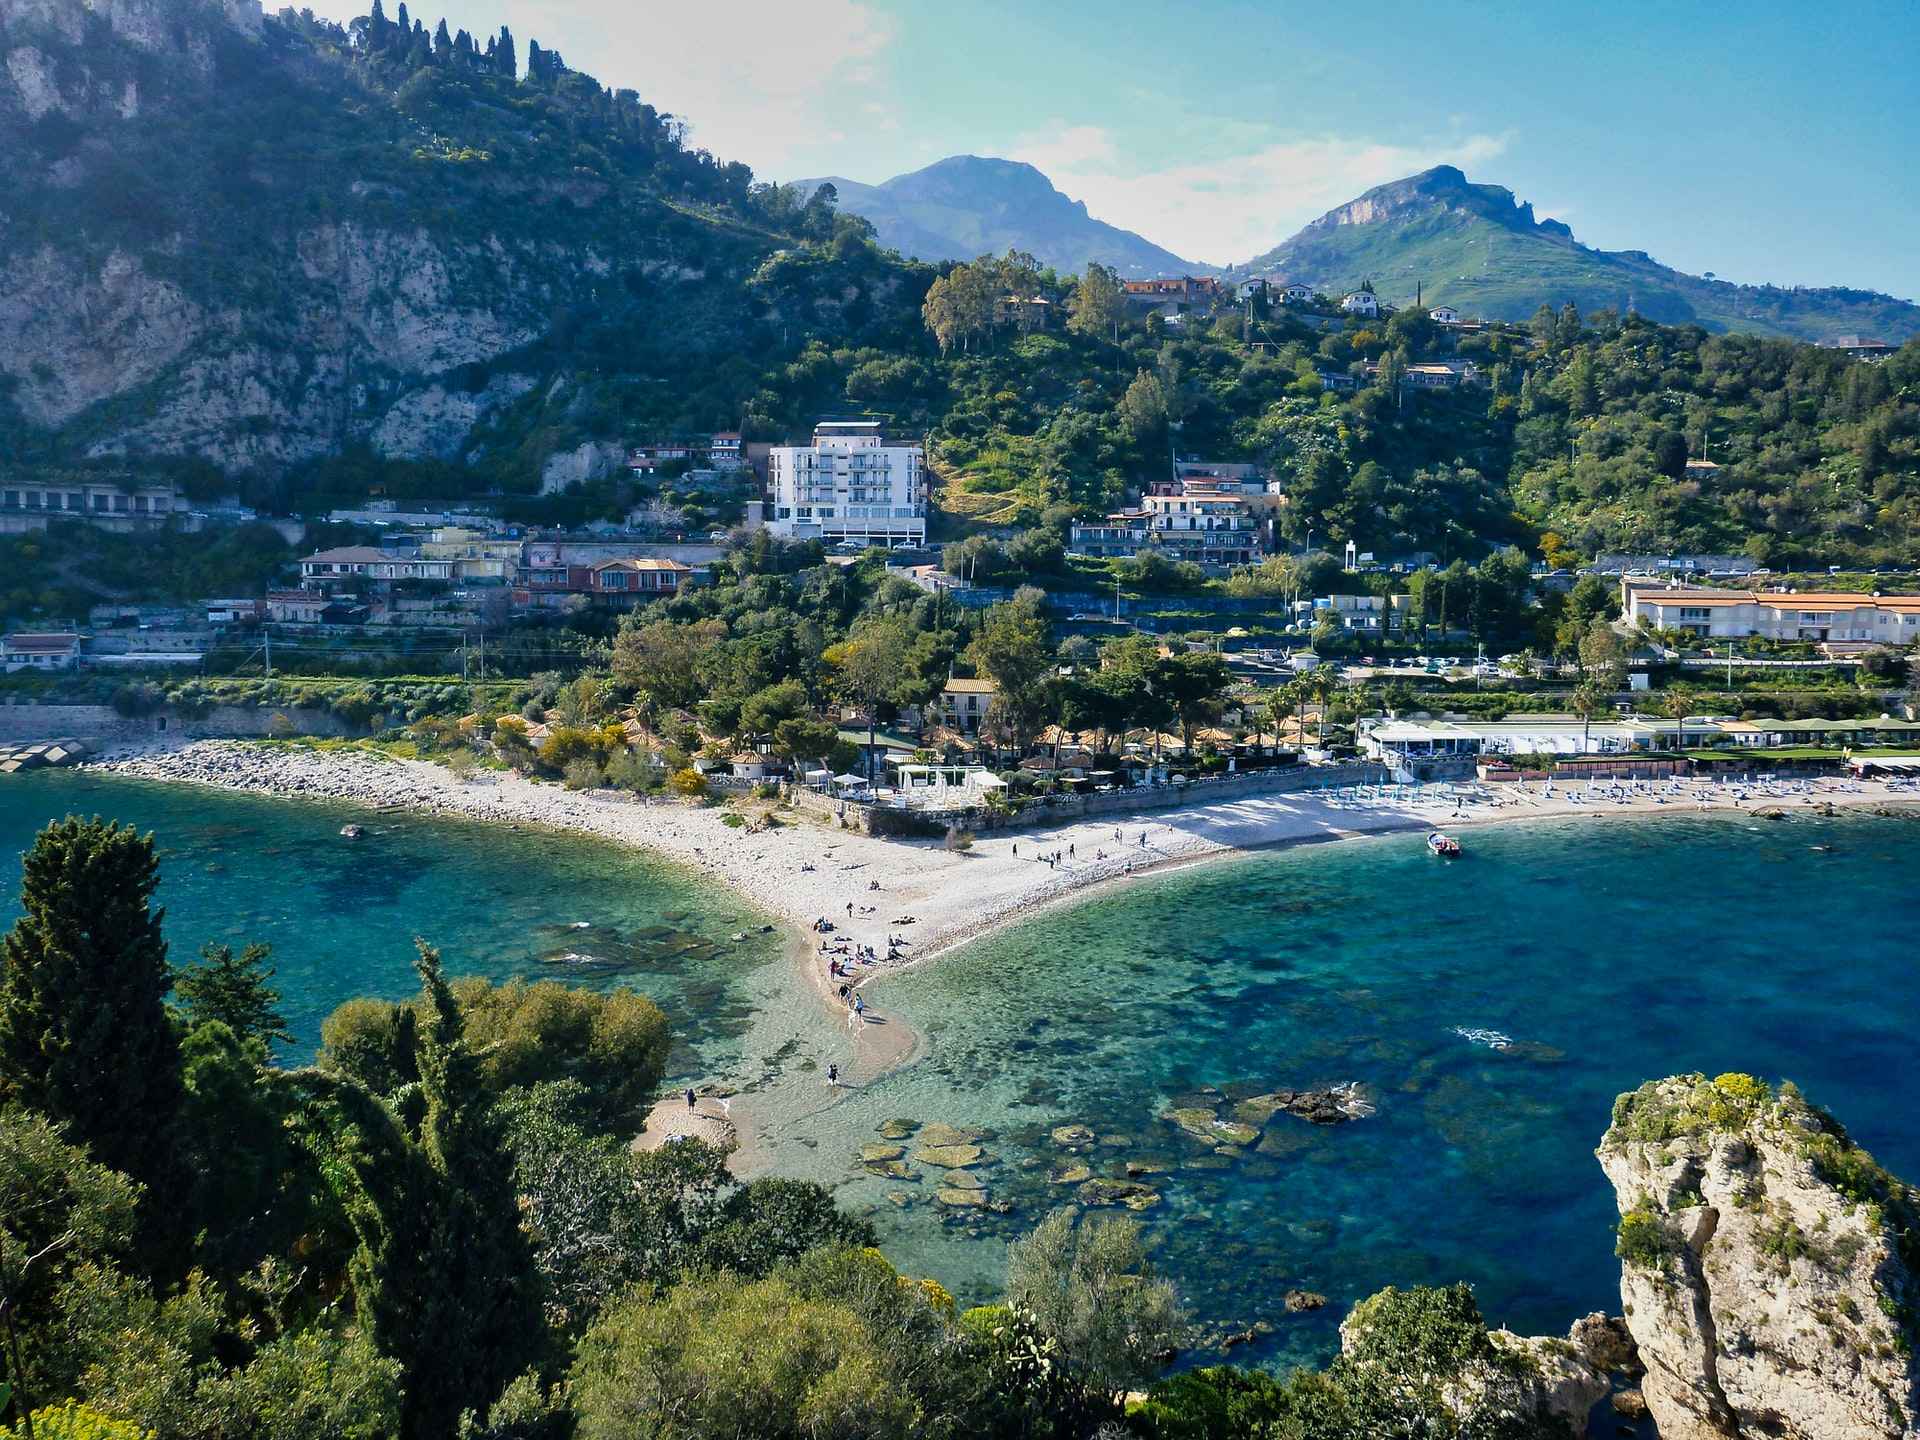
{"x":1768,"y":1265}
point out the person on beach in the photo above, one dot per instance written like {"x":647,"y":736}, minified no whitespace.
{"x":860,"y":1007}
{"x":689,"y":1097}
{"x":1016,"y":849}
{"x":1071,"y":852}
{"x":833,"y":1076}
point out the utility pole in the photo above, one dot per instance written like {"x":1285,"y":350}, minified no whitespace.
{"x":267,"y":631}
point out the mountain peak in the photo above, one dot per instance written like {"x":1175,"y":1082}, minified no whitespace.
{"x":969,"y":205}
{"x":1444,"y":187}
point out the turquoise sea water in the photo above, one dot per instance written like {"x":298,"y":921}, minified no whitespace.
{"x":1608,"y":952}
{"x":342,"y":914}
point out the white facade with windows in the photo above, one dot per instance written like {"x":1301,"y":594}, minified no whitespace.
{"x":1361,"y":302}
{"x":28,"y":505}
{"x":849,"y":485}
{"x":1809,"y":616}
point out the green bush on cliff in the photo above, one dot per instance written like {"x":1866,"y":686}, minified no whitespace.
{"x":1645,"y":1238}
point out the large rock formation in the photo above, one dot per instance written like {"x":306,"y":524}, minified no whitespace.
{"x":1429,"y":1351}
{"x":1768,"y":1265}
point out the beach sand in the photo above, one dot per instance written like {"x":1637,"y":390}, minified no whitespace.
{"x":930,"y":898}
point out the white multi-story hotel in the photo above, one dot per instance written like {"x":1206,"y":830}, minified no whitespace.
{"x":849,"y":485}
{"x":1777,"y":615}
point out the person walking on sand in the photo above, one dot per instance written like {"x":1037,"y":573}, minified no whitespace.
{"x":689,"y":1097}
{"x":833,"y":1076}
{"x":1071,"y":851}
{"x":1016,"y":849}
{"x":860,"y":1008}
{"x":849,"y":909}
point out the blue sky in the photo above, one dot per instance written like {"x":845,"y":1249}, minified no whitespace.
{"x":1767,"y":141}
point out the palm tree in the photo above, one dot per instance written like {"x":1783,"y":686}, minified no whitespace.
{"x":1282,"y":701}
{"x":1682,"y":701}
{"x":1322,"y":682}
{"x":1589,"y":699}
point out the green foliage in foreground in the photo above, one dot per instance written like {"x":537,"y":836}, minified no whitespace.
{"x":1415,"y":1362}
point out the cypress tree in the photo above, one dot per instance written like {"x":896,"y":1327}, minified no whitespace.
{"x":509,"y":58}
{"x":404,"y":21}
{"x":536,"y":63}
{"x":480,"y":1323}
{"x":84,"y":1033}
{"x":442,"y":42}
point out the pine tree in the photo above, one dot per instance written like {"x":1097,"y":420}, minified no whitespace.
{"x":235,"y":991}
{"x":84,"y":1033}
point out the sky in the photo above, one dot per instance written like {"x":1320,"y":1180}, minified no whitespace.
{"x":1769,"y":141}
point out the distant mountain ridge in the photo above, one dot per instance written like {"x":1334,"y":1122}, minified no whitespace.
{"x":1480,"y":250}
{"x":970,"y":205}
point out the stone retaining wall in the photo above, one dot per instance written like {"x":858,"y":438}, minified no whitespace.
{"x":102,"y":725}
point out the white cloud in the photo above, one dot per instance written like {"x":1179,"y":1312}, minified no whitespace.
{"x":1231,"y":207}
{"x":756,"y":80}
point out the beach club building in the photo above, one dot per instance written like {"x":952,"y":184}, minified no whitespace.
{"x":1565,"y":735}
{"x":1813,"y":616}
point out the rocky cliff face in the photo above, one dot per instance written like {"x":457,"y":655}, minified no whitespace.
{"x":1767,"y":1265}
{"x":253,"y":240}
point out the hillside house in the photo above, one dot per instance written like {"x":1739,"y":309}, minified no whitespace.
{"x":1444,"y":315}
{"x":364,"y":561}
{"x":1814,"y":616}
{"x":40,"y":650}
{"x":1292,"y":292}
{"x":295,"y":607}
{"x":964,"y":705}
{"x":1361,"y":302}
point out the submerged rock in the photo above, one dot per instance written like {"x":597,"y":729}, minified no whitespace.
{"x":1100,"y":1191}
{"x":897,"y":1129}
{"x":949,"y":1157}
{"x":893,"y":1170}
{"x":962,"y":1180}
{"x":1329,"y":1105}
{"x":873,"y":1153}
{"x":962,"y":1199}
{"x":1298,"y":1301}
{"x":1766,"y":1265}
{"x":1205,"y":1125}
{"x":1072,"y":1174}
{"x":939,"y":1133}
{"x":1073,"y":1135}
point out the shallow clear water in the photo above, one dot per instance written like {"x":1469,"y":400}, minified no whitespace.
{"x":342,"y":914}
{"x":1609,"y":952}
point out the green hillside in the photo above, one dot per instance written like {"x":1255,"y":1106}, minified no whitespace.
{"x":270,"y":243}
{"x":1475,"y":248}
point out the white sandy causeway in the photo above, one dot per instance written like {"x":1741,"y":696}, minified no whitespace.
{"x":803,"y":871}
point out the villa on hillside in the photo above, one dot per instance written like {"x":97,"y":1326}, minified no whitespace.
{"x":1361,"y":302}
{"x":1444,"y":315}
{"x":1815,"y":616}
{"x":964,"y":705}
{"x":364,"y":561}
{"x":1212,"y":520}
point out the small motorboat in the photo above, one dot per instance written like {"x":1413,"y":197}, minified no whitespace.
{"x":1443,"y":845}
{"x":351,"y":832}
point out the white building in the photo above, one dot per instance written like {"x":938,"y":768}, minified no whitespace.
{"x":1444,"y":315}
{"x":849,"y":485}
{"x":1292,"y":292}
{"x":1813,"y":616}
{"x":351,"y":560}
{"x":40,"y":650}
{"x":1361,"y":302}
